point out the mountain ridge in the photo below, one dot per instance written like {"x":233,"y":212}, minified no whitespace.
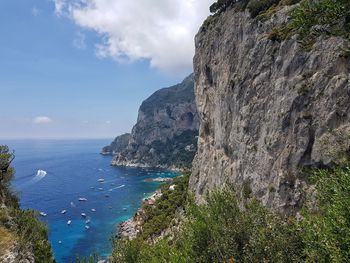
{"x":164,"y":135}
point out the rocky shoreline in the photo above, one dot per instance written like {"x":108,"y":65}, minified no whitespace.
{"x":130,"y":228}
{"x":131,"y":164}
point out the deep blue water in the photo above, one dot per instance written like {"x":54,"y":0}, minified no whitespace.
{"x":73,"y":168}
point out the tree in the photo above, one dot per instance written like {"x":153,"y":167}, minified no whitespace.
{"x":5,"y":160}
{"x":221,"y":5}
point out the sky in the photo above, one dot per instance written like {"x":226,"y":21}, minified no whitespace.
{"x":81,"y":68}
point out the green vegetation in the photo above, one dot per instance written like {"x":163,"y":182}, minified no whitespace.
{"x":223,"y":231}
{"x":19,"y":230}
{"x":221,"y":5}
{"x":161,"y":215}
{"x":178,"y":94}
{"x":309,"y":20}
{"x":324,"y":17}
{"x":312,"y":19}
{"x":173,"y":151}
{"x":326,"y":228}
{"x":255,"y":7}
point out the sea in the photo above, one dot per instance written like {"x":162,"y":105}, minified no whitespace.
{"x":51,"y":176}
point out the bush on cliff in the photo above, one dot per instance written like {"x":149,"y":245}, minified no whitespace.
{"x":326,"y":224}
{"x":159,"y":216}
{"x":222,"y":230}
{"x":255,"y":7}
{"x":22,"y":228}
{"x":324,"y":17}
{"x":218,"y":232}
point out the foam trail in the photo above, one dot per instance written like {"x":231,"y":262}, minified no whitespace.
{"x":40,"y":174}
{"x":120,"y":186}
{"x":110,"y":181}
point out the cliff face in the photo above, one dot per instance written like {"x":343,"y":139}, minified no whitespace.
{"x":165,"y":132}
{"x":119,"y":144}
{"x":267,"y":109}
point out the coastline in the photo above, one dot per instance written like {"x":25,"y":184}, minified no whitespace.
{"x":171,"y":168}
{"x":131,"y":164}
{"x":129,"y":229}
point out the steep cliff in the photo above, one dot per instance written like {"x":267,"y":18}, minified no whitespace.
{"x":165,"y":132}
{"x":268,"y":107}
{"x":119,"y":144}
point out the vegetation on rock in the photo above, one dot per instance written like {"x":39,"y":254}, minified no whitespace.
{"x":21,"y":233}
{"x":255,"y":7}
{"x":221,"y":230}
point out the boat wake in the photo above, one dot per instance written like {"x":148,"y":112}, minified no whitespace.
{"x":40,"y":174}
{"x":120,"y":186}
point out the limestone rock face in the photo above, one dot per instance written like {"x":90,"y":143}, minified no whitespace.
{"x":165,"y":134}
{"x":119,"y":143}
{"x":267,"y":109}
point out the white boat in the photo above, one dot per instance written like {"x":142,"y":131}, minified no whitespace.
{"x":69,"y":222}
{"x":83,"y":214}
{"x":87,"y":221}
{"x":93,"y":210}
{"x":63,"y":211}
{"x":101,"y":180}
{"x":82,"y":199}
{"x":43,"y":214}
{"x":124,"y":208}
{"x":87,"y":227}
{"x":101,"y":189}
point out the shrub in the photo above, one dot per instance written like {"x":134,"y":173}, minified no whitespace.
{"x":218,"y":232}
{"x":324,"y":17}
{"x":160,"y":216}
{"x":255,"y":7}
{"x":326,"y":230}
{"x":26,"y":232}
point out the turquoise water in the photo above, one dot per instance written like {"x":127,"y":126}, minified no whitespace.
{"x":73,"y":168}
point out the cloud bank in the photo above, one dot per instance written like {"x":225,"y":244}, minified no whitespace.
{"x":161,"y":31}
{"x":42,"y":120}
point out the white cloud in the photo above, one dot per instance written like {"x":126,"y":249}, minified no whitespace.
{"x":79,"y":41}
{"x":159,"y":30}
{"x":59,"y":6}
{"x":108,"y":122}
{"x":42,"y":120}
{"x":35,"y":11}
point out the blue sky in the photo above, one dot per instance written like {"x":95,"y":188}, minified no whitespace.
{"x":67,"y":73}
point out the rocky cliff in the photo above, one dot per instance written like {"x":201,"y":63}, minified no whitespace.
{"x":165,"y":134}
{"x":267,"y":108}
{"x":119,"y":144}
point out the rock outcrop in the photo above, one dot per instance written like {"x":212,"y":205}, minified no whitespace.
{"x":165,"y":134}
{"x":119,"y":144}
{"x":267,"y":109}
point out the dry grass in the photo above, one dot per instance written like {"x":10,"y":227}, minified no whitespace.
{"x":7,"y":240}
